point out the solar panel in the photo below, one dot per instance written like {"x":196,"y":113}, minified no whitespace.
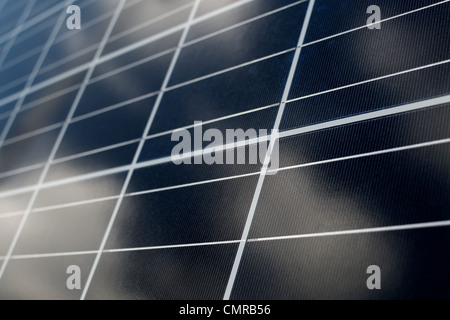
{"x":224,"y":149}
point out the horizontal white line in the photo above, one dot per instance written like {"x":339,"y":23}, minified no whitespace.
{"x":32,"y":134}
{"x":391,"y":75}
{"x":237,"y":25}
{"x":12,"y":62}
{"x":145,"y":96}
{"x":131,"y":194}
{"x":140,"y":43}
{"x":364,"y":155}
{"x":41,"y":16}
{"x":149,"y":22}
{"x":381,"y":21}
{"x":73,"y":204}
{"x":21,"y":170}
{"x":49,"y":255}
{"x":234,"y":115}
{"x":89,"y":252}
{"x":180,"y":186}
{"x":152,"y":39}
{"x":11,"y":214}
{"x":199,"y":244}
{"x":67,"y":58}
{"x":113,"y":107}
{"x":12,"y":84}
{"x":49,"y":97}
{"x":66,"y":158}
{"x":79,"y":53}
{"x":83,"y":177}
{"x":412,"y":226}
{"x":220,"y":11}
{"x":201,"y":39}
{"x":124,"y":103}
{"x":31,"y":22}
{"x":216,"y":73}
{"x":94,"y":151}
{"x":131,"y":65}
{"x":294,"y":132}
{"x":369,"y":116}
{"x":122,"y":144}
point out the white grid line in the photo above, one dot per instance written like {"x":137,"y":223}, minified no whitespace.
{"x":273,"y":140}
{"x":140,"y":147}
{"x":31,"y":78}
{"x":149,"y":22}
{"x":154,"y":38}
{"x":40,"y":17}
{"x":191,"y":184}
{"x":61,"y":134}
{"x":412,"y":226}
{"x":26,"y":25}
{"x":145,"y":96}
{"x":381,"y":21}
{"x":10,"y":214}
{"x":403,"y":227}
{"x":60,"y":38}
{"x":49,"y":97}
{"x":244,"y":22}
{"x":284,"y":134}
{"x":16,"y":31}
{"x":132,"y":65}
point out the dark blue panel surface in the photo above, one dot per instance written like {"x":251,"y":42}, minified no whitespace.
{"x":257,"y":122}
{"x":197,"y":273}
{"x":38,"y":148}
{"x":364,"y":54}
{"x":251,"y":41}
{"x":131,"y":83}
{"x":332,"y":17}
{"x":385,"y":93}
{"x":44,"y":114}
{"x":102,"y":160}
{"x":260,"y":84}
{"x":247,"y":11}
{"x":170,"y":174}
{"x":204,"y":213}
{"x":398,"y":188}
{"x":86,"y":173}
{"x":414,"y":263}
{"x":119,"y":125}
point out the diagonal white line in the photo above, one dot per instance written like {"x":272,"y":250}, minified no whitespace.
{"x":62,"y":132}
{"x":165,"y":33}
{"x":16,"y":31}
{"x":303,"y":165}
{"x":264,"y":169}
{"x":284,"y":134}
{"x":140,"y":146}
{"x":412,"y":226}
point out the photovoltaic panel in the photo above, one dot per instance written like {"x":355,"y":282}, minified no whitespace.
{"x":357,"y":117}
